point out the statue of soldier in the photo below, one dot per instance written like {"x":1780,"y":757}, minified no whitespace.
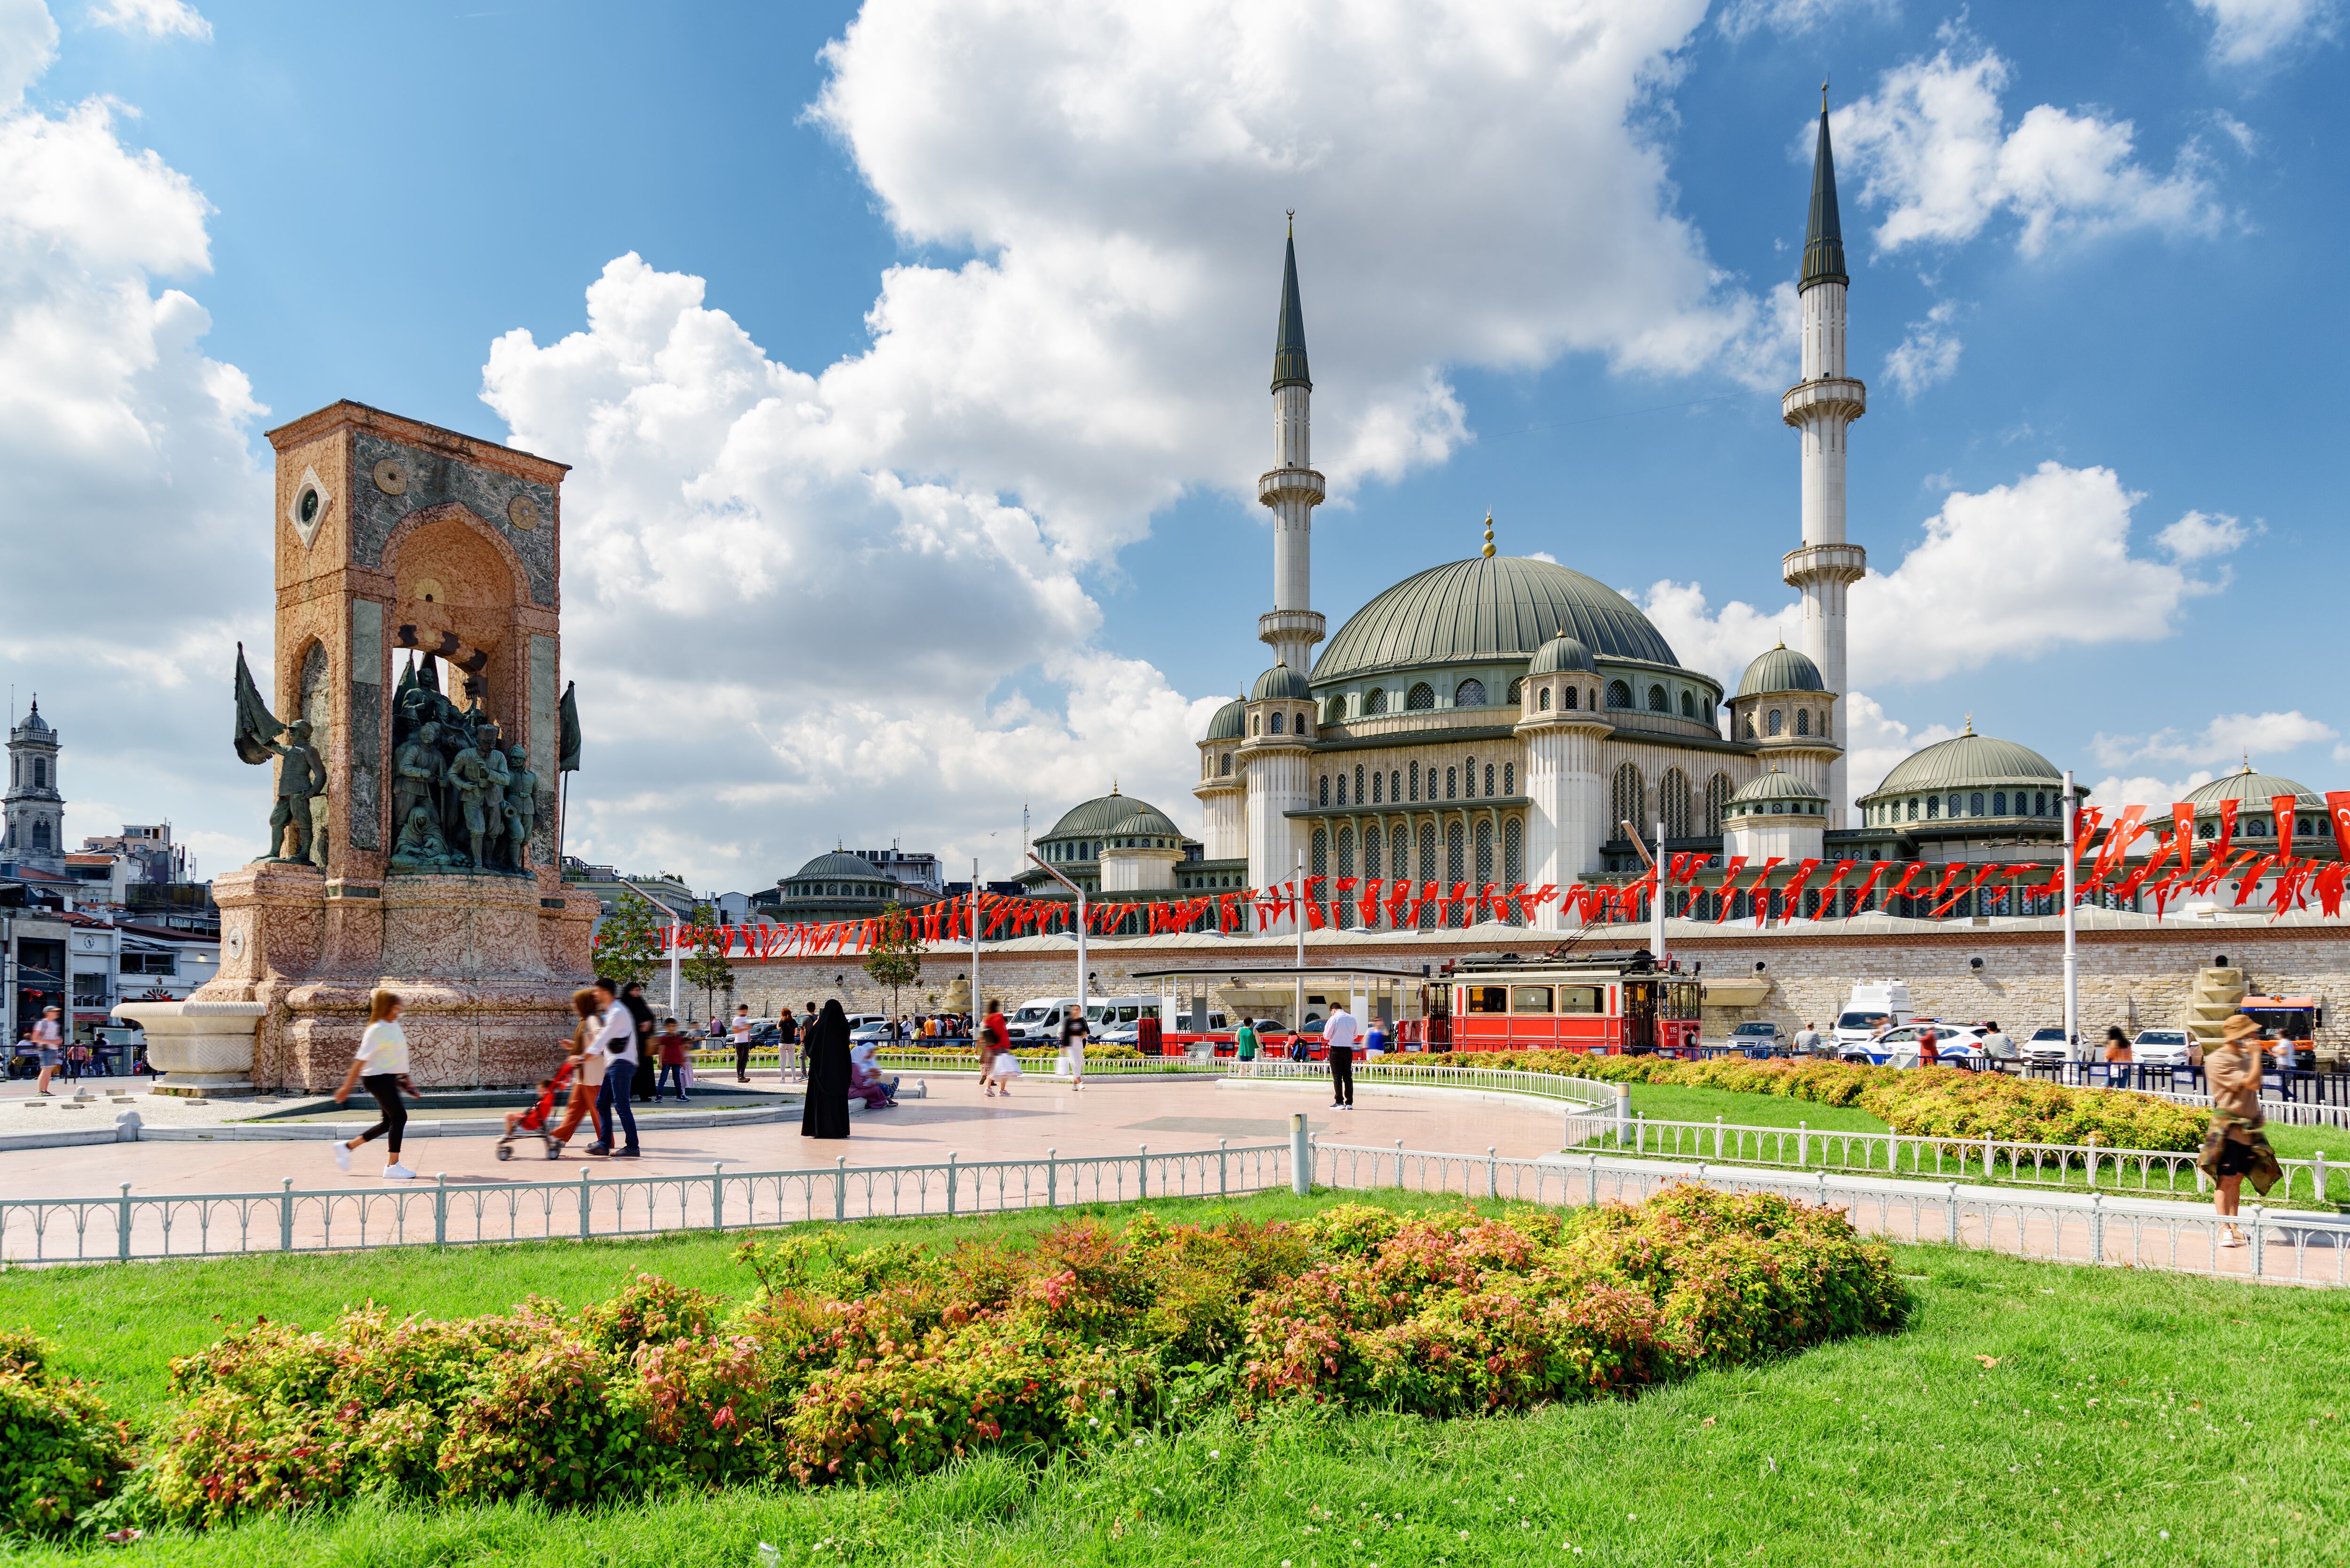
{"x":522,"y":807}
{"x":417,"y":773}
{"x":470,"y":783}
{"x":493,"y":799}
{"x":300,"y":776}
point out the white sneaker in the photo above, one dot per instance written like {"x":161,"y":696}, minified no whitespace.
{"x":342,"y":1154}
{"x":398,"y":1173}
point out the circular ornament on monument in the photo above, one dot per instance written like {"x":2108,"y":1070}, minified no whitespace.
{"x":523,"y":512}
{"x":390,"y":477}
{"x":233,"y":941}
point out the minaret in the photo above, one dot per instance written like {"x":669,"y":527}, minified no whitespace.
{"x":1821,"y":406}
{"x":1292,"y":489}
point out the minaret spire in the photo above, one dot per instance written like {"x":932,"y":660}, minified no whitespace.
{"x":1824,"y":241}
{"x":1821,"y":407}
{"x":1291,"y":488}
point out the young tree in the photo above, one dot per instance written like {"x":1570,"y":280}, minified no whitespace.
{"x":627,"y":944}
{"x":707,"y":970}
{"x":897,"y":957}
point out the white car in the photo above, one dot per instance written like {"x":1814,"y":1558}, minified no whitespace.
{"x":864,"y":1027}
{"x":1952,"y":1042}
{"x":2047,"y":1048}
{"x":2161,"y":1048}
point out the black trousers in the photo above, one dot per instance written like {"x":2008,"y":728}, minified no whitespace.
{"x":1342,"y":1075}
{"x":392,"y":1114}
{"x":742,"y":1062}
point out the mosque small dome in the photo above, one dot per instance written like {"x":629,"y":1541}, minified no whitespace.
{"x":1561,"y":655}
{"x":1780,"y":670}
{"x":2246,"y":785}
{"x":1967,"y":760}
{"x":1230,"y":721}
{"x":1484,"y":609}
{"x":1776,"y":785}
{"x":1279,"y":684}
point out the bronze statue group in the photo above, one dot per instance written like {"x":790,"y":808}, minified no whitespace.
{"x":460,"y":798}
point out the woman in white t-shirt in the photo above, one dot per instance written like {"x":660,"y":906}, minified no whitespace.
{"x":381,"y":1066}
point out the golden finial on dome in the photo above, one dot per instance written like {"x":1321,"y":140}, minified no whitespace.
{"x":1489,"y":532}
{"x":1970,"y":728}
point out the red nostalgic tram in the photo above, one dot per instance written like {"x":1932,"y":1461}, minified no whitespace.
{"x":1606,"y":1004}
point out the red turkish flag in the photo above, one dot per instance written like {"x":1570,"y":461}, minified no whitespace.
{"x":1313,"y":904}
{"x":2285,"y":807}
{"x":2226,"y":828}
{"x":1368,"y":907}
{"x":2124,"y":834}
{"x":2251,"y":879}
{"x":2337,"y":811}
{"x":2182,"y":834}
{"x":2329,"y":880}
{"x":1901,"y":889}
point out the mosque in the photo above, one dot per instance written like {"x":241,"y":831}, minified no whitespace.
{"x":1503,"y":720}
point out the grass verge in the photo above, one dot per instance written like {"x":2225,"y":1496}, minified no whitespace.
{"x":1677,"y":1102}
{"x":2031,"y":1413}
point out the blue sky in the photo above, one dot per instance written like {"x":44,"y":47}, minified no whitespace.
{"x":1011,"y":554}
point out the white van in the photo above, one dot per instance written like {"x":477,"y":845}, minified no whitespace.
{"x":1038,"y":1019}
{"x":1117,"y":1020}
{"x":1870,"y":1010}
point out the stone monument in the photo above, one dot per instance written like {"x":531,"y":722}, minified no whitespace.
{"x":411,"y":722}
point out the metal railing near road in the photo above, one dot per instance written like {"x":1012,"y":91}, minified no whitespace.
{"x":128,"y":1227}
{"x":2088,"y":1167}
{"x":1389,"y":1069}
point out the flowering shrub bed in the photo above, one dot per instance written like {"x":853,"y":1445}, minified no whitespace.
{"x":889,"y":1361}
{"x":61,"y":1455}
{"x":1929,"y":1102}
{"x":1095,"y":1051}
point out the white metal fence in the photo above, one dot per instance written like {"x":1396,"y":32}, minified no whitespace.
{"x":2088,"y":1167}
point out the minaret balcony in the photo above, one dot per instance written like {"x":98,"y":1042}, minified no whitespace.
{"x":1291,"y":626}
{"x":1823,"y":563}
{"x":1290,"y":484}
{"x":1830,"y":396}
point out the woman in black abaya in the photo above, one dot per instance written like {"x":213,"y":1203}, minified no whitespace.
{"x":825,"y":1049}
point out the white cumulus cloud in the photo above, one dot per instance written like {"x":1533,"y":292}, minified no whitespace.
{"x":2116,"y":791}
{"x":1928,"y":353}
{"x":2229,"y":738}
{"x":156,"y":18}
{"x":1874,"y":740}
{"x":2252,"y":32}
{"x":1740,"y":18}
{"x":2013,"y":572}
{"x":133,"y":499}
{"x":1937,"y":153}
{"x":2198,"y":536}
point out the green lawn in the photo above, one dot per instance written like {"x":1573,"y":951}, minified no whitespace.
{"x":1670,"y":1102}
{"x":2118,"y":1406}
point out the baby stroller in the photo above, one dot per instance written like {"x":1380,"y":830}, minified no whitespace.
{"x":537,"y":1122}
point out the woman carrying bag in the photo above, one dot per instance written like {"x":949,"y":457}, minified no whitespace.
{"x":1074,"y":1035}
{"x":2234,"y":1147}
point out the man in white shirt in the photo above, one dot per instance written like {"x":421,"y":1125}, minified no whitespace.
{"x":1998,"y":1046}
{"x":618,"y":1037}
{"x":1807,"y":1039}
{"x":1340,"y":1033}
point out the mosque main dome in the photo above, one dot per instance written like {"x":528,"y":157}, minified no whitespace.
{"x":1487,"y":609}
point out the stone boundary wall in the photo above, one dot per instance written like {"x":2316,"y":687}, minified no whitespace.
{"x":2136,"y":978}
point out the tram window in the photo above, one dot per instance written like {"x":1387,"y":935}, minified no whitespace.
{"x":1579,"y":998}
{"x":1487,"y":997}
{"x":1530,"y":999}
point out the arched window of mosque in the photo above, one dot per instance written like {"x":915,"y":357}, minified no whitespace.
{"x":1375,"y":700}
{"x":1777,"y":722}
{"x":1471,"y":771}
{"x":1395,"y":786}
{"x":1451,"y":784}
{"x":1378,"y":789}
{"x":1508,"y":778}
{"x":1999,"y":802}
{"x":1913,"y":808}
{"x":1342,"y":789}
{"x":1627,"y":798}
{"x":1225,"y":765}
{"x":1276,"y":723}
{"x":1619,"y":694}
{"x":1802,"y":721}
{"x":1824,"y":726}
{"x":1954,"y":805}
{"x":1358,"y":784}
{"x":1573,"y":696}
{"x":1469,"y":694}
{"x":1301,"y":723}
{"x":2039,"y":803}
{"x":1419,"y":698}
{"x":1541,"y":701}
{"x":1333,"y":711}
{"x":1975,"y":803}
{"x":1415,"y":781}
{"x":1688,"y":705}
{"x":1257,"y":724}
{"x":1673,"y":803}
{"x":1933,"y":808}
{"x":1517,"y":691}
{"x":1718,"y":791}
{"x":1489,"y":780}
{"x":1750,"y":723}
{"x":1325,"y":790}
{"x":41,"y":773}
{"x":1658,"y":702}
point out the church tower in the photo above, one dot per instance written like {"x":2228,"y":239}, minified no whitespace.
{"x":1821,"y":407}
{"x":1293,"y":490}
{"x":36,"y":811}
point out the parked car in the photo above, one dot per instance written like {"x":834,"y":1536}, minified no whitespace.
{"x":2161,"y":1048}
{"x":1759,"y":1035}
{"x":865,"y":1027}
{"x":1952,"y":1042}
{"x":2047,"y":1048}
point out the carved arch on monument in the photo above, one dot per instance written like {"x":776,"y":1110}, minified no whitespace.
{"x":458,"y":589}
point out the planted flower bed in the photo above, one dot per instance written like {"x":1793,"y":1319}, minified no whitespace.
{"x":889,"y":1361}
{"x":1927,"y":1102}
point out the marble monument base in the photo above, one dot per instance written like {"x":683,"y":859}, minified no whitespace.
{"x":203,"y":1049}
{"x":484,"y":967}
